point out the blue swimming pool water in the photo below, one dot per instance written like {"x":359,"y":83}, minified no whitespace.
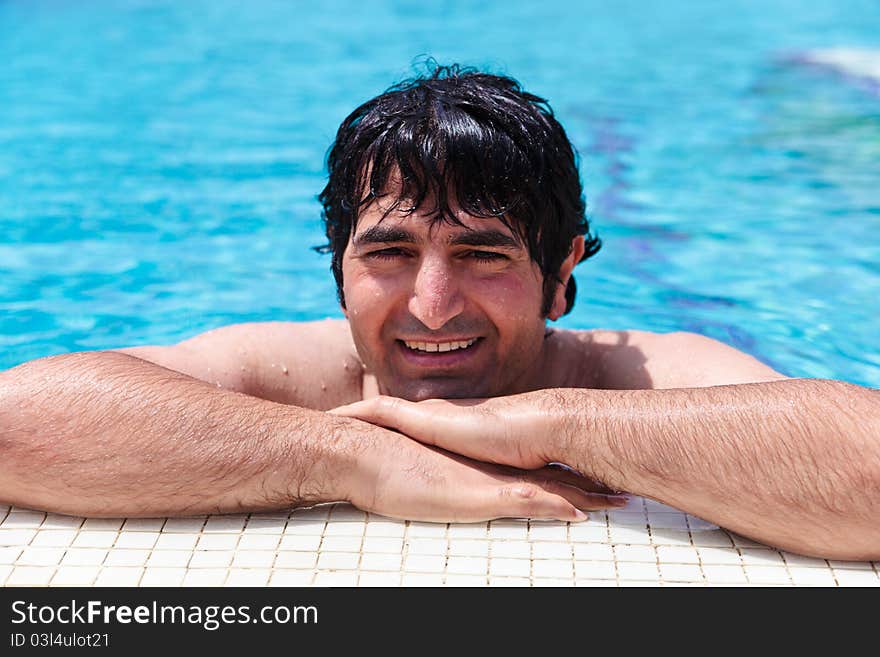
{"x":159,"y":163}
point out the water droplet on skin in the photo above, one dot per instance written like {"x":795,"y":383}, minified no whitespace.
{"x":218,"y":385}
{"x":345,"y":365}
{"x":323,"y":387}
{"x":284,"y":370}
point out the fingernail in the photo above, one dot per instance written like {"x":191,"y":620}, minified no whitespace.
{"x":618,"y":500}
{"x":579,"y":515}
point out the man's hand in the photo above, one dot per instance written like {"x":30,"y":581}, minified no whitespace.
{"x":399,"y":477}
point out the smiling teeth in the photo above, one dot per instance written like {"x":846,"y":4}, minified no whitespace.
{"x":440,"y":346}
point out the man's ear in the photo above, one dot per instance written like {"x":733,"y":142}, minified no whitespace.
{"x":557,"y":310}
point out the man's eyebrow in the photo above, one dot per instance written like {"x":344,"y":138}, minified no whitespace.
{"x":490,"y":237}
{"x":380,"y":234}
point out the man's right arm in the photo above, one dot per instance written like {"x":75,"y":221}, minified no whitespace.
{"x":111,"y":434}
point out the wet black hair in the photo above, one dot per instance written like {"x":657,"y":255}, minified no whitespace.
{"x":458,"y":134}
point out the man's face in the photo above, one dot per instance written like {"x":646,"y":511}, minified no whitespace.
{"x":443,"y":311}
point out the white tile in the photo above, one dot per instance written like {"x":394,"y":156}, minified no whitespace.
{"x":468,"y":548}
{"x":205,"y":577}
{"x":427,"y":546}
{"x":719,"y":539}
{"x":163,"y":577}
{"x":710,"y":555}
{"x":341,"y":544}
{"x":541,"y":550}
{"x":169,"y":558}
{"x":700,"y":525}
{"x":211,"y":558}
{"x":385,"y":529}
{"x":677,"y":554}
{"x":510,"y":567}
{"x":429,"y":563}
{"x":319,"y":512}
{"x":850,"y":565}
{"x":338,"y":560}
{"x":118,"y":557}
{"x":472,"y":531}
{"x":75,"y":576}
{"x":226,"y":525}
{"x":548,"y":530}
{"x":585,"y":532}
{"x":668,"y":521}
{"x":552,"y":581}
{"x":5,"y":571}
{"x":593,"y":583}
{"x":119,"y":576}
{"x":14,"y":537}
{"x":638,"y":571}
{"x":554,"y":568}
{"x":644,"y":553}
{"x":379,"y":579}
{"x":344,"y":529}
{"x":102,"y":524}
{"x":421,"y":579}
{"x":336,"y":579}
{"x":143,"y":525}
{"x":761,"y":557}
{"x":253,"y":559}
{"x":291,"y":577}
{"x":629,"y":535}
{"x":30,"y":576}
{"x":259,"y":541}
{"x":347,"y":513}
{"x":94,"y":539}
{"x":9,"y":555}
{"x":300,"y":560}
{"x":58,"y":521}
{"x":426,"y":530}
{"x":183,"y":525}
{"x":595,"y":570}
{"x":805,"y":576}
{"x":634,"y":519}
{"x":23,"y":520}
{"x":742,"y":541}
{"x":680,"y":572}
{"x":382,"y":544}
{"x":305,"y":528}
{"x":176,"y":541}
{"x":849,"y":577}
{"x":84,"y":557}
{"x":509,"y":581}
{"x":300,"y":543}
{"x":509,"y":529}
{"x":723,"y":574}
{"x":767,"y":575}
{"x":670,"y":537}
{"x":593,"y":551}
{"x":143,"y":540}
{"x":510,"y":549}
{"x":53,"y":538}
{"x":265,"y":526}
{"x":217,"y":542}
{"x":383,"y":562}
{"x":690,"y":584}
{"x":804,"y":562}
{"x":467,"y":565}
{"x":466,"y":580}
{"x":248,"y":577}
{"x":635,"y":583}
{"x":654,"y":505}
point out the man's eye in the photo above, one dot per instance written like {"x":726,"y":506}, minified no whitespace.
{"x":386,"y":254}
{"x":487,"y":256}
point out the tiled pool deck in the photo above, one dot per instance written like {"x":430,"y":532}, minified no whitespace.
{"x":644,"y":544}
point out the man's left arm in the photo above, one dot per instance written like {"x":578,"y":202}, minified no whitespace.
{"x":793,"y":463}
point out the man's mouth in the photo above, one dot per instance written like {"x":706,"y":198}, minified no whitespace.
{"x":432,"y":347}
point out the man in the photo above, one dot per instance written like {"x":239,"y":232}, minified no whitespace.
{"x":455,"y":218}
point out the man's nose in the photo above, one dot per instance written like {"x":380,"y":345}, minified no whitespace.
{"x":436,"y":296}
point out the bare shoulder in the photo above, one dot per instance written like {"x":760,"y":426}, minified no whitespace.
{"x":638,"y":360}
{"x":310,"y":364}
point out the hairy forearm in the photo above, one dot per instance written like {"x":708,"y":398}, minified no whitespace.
{"x":794,"y":463}
{"x":106,"y":434}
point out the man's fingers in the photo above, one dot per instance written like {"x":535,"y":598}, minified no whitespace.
{"x":398,"y":414}
{"x":574,"y":478}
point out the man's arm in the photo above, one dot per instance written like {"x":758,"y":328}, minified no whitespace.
{"x":110,"y":434}
{"x":793,"y":463}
